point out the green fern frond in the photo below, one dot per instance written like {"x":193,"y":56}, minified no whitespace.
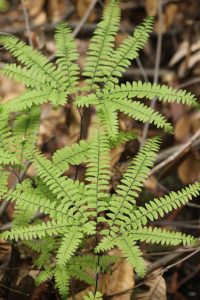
{"x":75,"y":155}
{"x":31,"y":78}
{"x":81,"y":274}
{"x":108,"y":242}
{"x":108,"y":116}
{"x":86,"y":101}
{"x":43,"y":276}
{"x":25,"y":130}
{"x":92,"y":296}
{"x":134,"y":178}
{"x":3,"y":181}
{"x":35,"y":97}
{"x":98,"y":173}
{"x":32,"y":59}
{"x":43,"y":191}
{"x":161,"y":236}
{"x":7,"y":156}
{"x":44,"y":249}
{"x":140,"y":112}
{"x":51,"y":228}
{"x":64,"y":188}
{"x":33,"y":202}
{"x":102,"y":43}
{"x":121,"y":138}
{"x":22,"y":216}
{"x":66,"y":56}
{"x":126,"y":192}
{"x":133,"y":254}
{"x":3,"y":5}
{"x":69,"y":245}
{"x":62,"y":279}
{"x":47,"y":243}
{"x":150,"y":91}
{"x":127,"y":51}
{"x":163,"y":205}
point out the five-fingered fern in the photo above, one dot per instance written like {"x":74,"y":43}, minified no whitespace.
{"x":78,"y":212}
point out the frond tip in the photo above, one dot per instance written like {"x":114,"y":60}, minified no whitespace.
{"x":66,"y":56}
{"x":147,"y":90}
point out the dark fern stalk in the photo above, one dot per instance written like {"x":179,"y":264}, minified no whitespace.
{"x":78,"y":211}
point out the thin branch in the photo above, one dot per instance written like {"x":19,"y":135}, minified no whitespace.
{"x":27,"y":22}
{"x":182,"y":260}
{"x":84,"y":18}
{"x":157,"y":65}
{"x":179,"y":153}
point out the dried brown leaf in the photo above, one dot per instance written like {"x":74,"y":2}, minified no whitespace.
{"x":151,"y":7}
{"x":189,"y":170}
{"x":120,"y":281}
{"x":155,"y":288}
{"x":81,"y":9}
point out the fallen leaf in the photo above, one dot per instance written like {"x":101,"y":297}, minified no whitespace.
{"x":189,"y":170}
{"x":151,"y":7}
{"x":120,"y":280}
{"x":81,"y":9}
{"x":35,"y":7}
{"x":155,"y":288}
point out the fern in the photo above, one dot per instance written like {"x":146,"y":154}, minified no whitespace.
{"x":128,"y":51}
{"x":126,"y":192}
{"x":147,"y":90}
{"x":133,"y":254}
{"x":62,"y":280}
{"x":161,"y":236}
{"x":98,"y":164}
{"x":160,"y":206}
{"x":101,"y":46}
{"x":84,"y":219}
{"x":7,"y":156}
{"x":92,"y":296}
{"x":75,"y":155}
{"x":3,"y":181}
{"x":66,"y":55}
{"x":25,"y":129}
{"x":69,"y":244}
{"x":3,"y":5}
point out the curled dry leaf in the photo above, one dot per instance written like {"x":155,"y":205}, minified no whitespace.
{"x":155,"y":288}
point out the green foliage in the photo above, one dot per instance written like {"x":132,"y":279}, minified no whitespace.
{"x":75,"y":155}
{"x":102,"y":44}
{"x":127,"y":51}
{"x":84,"y":219}
{"x":92,"y":296}
{"x":3,"y":5}
{"x":66,"y":55}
